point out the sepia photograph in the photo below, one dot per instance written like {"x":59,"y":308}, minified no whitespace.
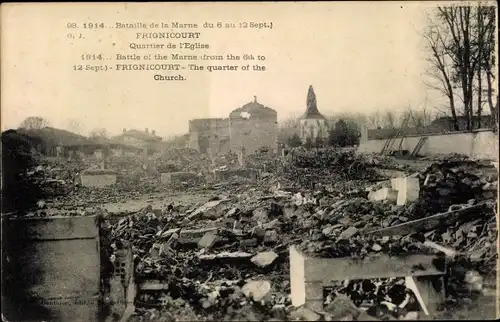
{"x":249,"y":161}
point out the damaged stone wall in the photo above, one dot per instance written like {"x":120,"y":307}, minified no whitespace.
{"x":252,"y":127}
{"x":209,"y":135}
{"x":478,"y":144}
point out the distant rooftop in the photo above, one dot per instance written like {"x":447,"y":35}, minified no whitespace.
{"x":141,"y":135}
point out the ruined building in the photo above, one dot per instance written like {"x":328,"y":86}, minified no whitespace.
{"x":143,"y":140}
{"x":253,"y":127}
{"x":209,"y":136}
{"x":313,"y":124}
{"x":138,"y":138}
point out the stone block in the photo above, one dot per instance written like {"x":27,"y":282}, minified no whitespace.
{"x":208,"y":240}
{"x":409,"y":190}
{"x":177,"y":177}
{"x":264,"y":259}
{"x":256,"y":290}
{"x":211,"y":210}
{"x":383,"y":194}
{"x":53,"y":287}
{"x":348,"y":233}
{"x":98,"y":178}
{"x":198,"y":233}
{"x":396,"y":183}
{"x":252,"y":174}
{"x":309,"y":275}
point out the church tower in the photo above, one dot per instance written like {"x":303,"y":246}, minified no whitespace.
{"x":312,"y":123}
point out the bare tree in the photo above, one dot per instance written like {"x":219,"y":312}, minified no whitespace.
{"x":374,"y":120}
{"x":291,"y":122}
{"x":34,"y":123}
{"x":461,"y":42}
{"x":390,"y":119}
{"x":418,"y":119}
{"x":486,"y":19}
{"x":440,"y":70}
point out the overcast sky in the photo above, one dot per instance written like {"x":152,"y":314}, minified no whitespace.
{"x":359,"y":57}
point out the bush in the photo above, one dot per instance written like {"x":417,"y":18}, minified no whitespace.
{"x":345,"y":133}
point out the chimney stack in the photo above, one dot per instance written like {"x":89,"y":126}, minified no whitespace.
{"x":153,"y":132}
{"x":147,"y":131}
{"x":124,"y":130}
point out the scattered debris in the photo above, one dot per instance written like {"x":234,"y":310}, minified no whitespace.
{"x":226,"y":257}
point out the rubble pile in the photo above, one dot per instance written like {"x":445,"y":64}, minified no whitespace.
{"x":142,"y":173}
{"x":262,"y":161}
{"x":187,"y":160}
{"x":56,"y":179}
{"x":252,"y":230}
{"x":325,"y":165}
{"x":446,"y":183}
{"x":473,"y":237}
{"x":475,"y":240}
{"x":447,"y":157}
{"x":228,"y":258}
{"x":382,"y":160}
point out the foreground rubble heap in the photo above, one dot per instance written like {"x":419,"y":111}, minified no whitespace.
{"x":228,"y":259}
